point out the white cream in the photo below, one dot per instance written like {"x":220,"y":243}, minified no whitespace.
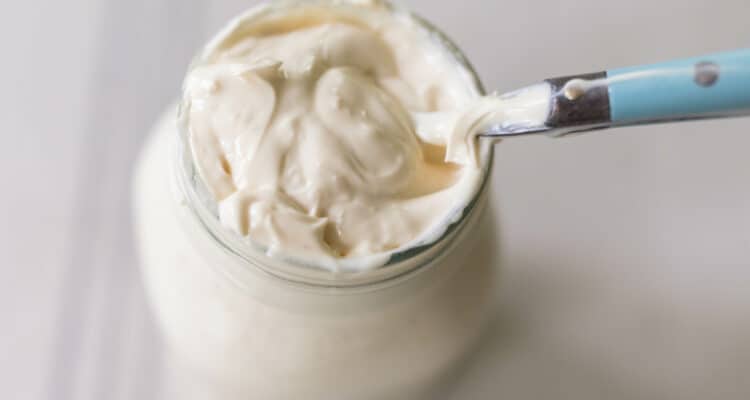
{"x":458,"y":130}
{"x":237,"y":323}
{"x":341,"y":133}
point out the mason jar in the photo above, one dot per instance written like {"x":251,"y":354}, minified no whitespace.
{"x":252,"y":326}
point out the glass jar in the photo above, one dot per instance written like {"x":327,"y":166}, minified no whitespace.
{"x":253,"y":326}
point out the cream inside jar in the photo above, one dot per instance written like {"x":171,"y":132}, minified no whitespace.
{"x":335,"y":133}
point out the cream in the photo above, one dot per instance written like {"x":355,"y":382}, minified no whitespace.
{"x":337,"y":133}
{"x":458,"y":130}
{"x":289,"y":160}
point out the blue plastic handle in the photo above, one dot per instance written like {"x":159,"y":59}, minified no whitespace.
{"x":712,"y":85}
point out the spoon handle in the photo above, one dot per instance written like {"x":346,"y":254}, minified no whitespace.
{"x":711,"y":86}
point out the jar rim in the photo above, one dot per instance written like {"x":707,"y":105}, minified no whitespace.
{"x":391,"y":267}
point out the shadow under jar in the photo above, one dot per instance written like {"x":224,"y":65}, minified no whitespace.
{"x":251,"y":326}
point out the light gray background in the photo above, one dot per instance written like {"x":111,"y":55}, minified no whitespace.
{"x":625,"y":253}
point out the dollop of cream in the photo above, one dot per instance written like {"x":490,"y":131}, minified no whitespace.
{"x":318,"y":130}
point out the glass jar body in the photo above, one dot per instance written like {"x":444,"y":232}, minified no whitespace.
{"x":258,"y":336}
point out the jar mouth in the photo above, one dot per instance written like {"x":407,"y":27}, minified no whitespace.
{"x":326,"y":272}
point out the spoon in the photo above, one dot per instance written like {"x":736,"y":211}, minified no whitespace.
{"x":711,"y":86}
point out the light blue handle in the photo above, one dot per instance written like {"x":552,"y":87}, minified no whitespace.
{"x":712,"y":85}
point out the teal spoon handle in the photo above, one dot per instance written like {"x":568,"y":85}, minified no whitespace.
{"x":708,"y":85}
{"x":711,"y":86}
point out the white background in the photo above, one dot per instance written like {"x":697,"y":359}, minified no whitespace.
{"x":626,"y":253}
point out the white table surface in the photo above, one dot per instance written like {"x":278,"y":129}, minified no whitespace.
{"x":625,"y":253}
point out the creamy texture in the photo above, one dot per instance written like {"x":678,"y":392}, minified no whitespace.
{"x":335,"y":133}
{"x":281,"y":158}
{"x":458,"y":130}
